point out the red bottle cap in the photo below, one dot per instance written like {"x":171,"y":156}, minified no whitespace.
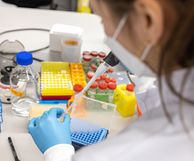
{"x":90,"y":74}
{"x":87,"y":58}
{"x":95,"y":85}
{"x":112,"y":86}
{"x":103,"y":77}
{"x":130,"y":87}
{"x":107,"y":80}
{"x":86,"y":53}
{"x":98,"y":79}
{"x":103,"y":85}
{"x":113,"y":80}
{"x":94,"y":53}
{"x":77,"y":88}
{"x":110,"y":70}
{"x":93,"y":66}
{"x":102,"y":54}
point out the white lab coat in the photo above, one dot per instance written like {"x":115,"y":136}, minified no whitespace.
{"x":151,"y":138}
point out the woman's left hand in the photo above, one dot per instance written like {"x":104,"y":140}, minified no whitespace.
{"x":48,"y":130}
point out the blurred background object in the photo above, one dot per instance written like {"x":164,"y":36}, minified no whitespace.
{"x":65,"y":5}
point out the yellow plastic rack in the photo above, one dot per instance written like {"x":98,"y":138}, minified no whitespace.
{"x":77,"y":74}
{"x":55,"y":79}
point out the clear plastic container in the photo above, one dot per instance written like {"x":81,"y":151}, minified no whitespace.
{"x":101,"y":114}
{"x":23,"y":85}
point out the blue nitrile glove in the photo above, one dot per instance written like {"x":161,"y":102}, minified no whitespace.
{"x":48,"y":130}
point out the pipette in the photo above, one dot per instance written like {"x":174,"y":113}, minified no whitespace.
{"x":109,"y":60}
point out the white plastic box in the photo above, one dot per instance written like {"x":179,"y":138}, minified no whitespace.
{"x":67,"y":40}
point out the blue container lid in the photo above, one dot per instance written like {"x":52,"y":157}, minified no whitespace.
{"x":24,"y":58}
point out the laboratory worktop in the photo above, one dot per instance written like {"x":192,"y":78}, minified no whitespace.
{"x":16,"y":18}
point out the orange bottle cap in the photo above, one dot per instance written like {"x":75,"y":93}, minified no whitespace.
{"x":130,"y":87}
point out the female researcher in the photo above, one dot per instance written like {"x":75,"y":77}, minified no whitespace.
{"x":150,"y":37}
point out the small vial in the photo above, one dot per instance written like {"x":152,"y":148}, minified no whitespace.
{"x":94,"y":55}
{"x":86,"y":62}
{"x":93,"y":89}
{"x":113,"y":80}
{"x":108,"y":80}
{"x":110,"y":70}
{"x":103,"y":77}
{"x":98,"y":79}
{"x":111,"y":87}
{"x":95,"y":58}
{"x":86,"y":53}
{"x":102,"y":88}
{"x":90,"y":74}
{"x":101,"y":56}
{"x":93,"y":67}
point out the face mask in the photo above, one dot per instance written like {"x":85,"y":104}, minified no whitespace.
{"x":144,"y":76}
{"x":127,"y":59}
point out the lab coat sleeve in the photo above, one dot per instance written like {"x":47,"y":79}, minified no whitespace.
{"x":60,"y":152}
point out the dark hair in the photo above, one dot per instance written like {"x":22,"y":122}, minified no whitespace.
{"x":178,"y":50}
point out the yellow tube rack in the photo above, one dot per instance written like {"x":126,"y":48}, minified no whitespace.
{"x":55,"y":79}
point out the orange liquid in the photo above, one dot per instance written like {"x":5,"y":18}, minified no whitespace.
{"x":16,"y":93}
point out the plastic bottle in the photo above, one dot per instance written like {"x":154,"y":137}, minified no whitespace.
{"x":23,"y":85}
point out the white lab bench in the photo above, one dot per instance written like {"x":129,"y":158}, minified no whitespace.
{"x":15,"y":18}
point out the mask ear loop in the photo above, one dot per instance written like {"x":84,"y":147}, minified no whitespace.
{"x":146,"y":51}
{"x":120,"y":26}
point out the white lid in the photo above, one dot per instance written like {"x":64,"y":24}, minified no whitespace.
{"x":67,"y":29}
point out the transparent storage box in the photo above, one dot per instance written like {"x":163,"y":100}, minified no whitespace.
{"x":102,"y":114}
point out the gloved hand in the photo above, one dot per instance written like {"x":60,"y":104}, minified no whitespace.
{"x":48,"y":130}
